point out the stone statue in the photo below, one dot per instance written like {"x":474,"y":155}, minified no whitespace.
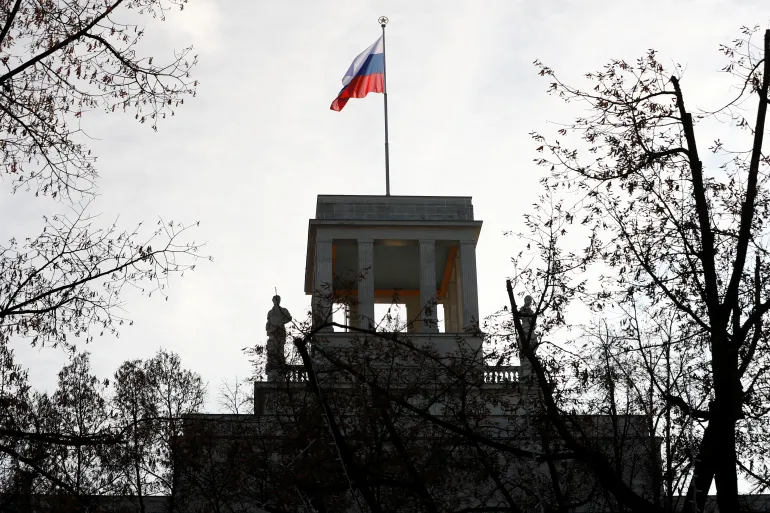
{"x":527,"y":317}
{"x":277,"y":318}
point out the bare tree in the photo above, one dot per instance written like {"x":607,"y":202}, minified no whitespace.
{"x":235,"y":396}
{"x":669,"y":240}
{"x":176,"y":392}
{"x":64,"y":59}
{"x":15,"y":396}
{"x":67,"y":282}
{"x":80,"y":412}
{"x":59,"y":63}
{"x":135,"y":458}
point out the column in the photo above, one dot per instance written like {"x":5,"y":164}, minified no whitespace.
{"x":352,"y":318}
{"x":428,"y":285}
{"x":413,"y":314}
{"x":450,"y":304}
{"x":459,"y":292}
{"x":323,"y":294}
{"x":470,"y":297}
{"x":366,"y":283}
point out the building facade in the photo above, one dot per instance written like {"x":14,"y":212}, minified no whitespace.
{"x":398,"y":414}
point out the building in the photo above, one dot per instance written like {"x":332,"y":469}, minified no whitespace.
{"x":408,"y":415}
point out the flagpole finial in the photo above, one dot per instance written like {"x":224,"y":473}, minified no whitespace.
{"x":383,"y":20}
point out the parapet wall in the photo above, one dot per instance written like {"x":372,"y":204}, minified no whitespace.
{"x":394,"y":208}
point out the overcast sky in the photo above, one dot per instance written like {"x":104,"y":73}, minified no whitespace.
{"x":249,"y":154}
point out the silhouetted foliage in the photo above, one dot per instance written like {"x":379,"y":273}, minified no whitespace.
{"x":62,"y":61}
{"x":663,"y":237}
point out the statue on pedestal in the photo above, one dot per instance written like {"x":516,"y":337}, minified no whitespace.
{"x":277,"y":318}
{"x":527,"y":317}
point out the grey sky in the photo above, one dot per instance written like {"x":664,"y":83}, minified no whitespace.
{"x":249,"y":154}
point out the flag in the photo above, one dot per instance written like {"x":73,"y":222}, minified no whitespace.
{"x":366,"y":75}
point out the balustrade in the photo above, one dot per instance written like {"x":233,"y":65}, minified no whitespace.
{"x":492,"y":375}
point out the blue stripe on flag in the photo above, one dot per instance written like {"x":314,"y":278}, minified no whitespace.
{"x":372,"y":65}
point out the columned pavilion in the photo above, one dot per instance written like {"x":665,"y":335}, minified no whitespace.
{"x":419,"y":251}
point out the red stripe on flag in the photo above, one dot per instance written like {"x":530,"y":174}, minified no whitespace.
{"x":359,"y":87}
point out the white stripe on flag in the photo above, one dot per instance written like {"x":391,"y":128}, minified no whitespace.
{"x":359,"y":61}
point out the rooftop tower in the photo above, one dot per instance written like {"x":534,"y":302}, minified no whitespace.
{"x":421,"y":250}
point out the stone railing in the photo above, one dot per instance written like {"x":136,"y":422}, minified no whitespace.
{"x":502,"y":374}
{"x":289,"y":374}
{"x":295,"y":374}
{"x":492,"y":375}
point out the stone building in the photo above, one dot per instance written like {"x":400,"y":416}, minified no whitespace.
{"x":408,"y":416}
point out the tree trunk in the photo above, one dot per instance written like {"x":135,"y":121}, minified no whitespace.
{"x":174,"y":472}
{"x":703,"y":474}
{"x":137,"y":470}
{"x":727,"y":405}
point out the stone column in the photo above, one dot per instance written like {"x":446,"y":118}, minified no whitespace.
{"x":428,"y":285}
{"x":470,"y":297}
{"x":366,"y":283}
{"x":413,"y":315}
{"x":459,"y":292}
{"x":450,"y":304}
{"x":353,"y":318}
{"x":323,"y":294}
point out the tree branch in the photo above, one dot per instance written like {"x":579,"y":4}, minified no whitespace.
{"x":594,"y":459}
{"x":61,"y":44}
{"x":9,"y":22}
{"x":676,"y":400}
{"x":707,"y":253}
{"x":757,"y":324}
{"x":748,"y":207}
{"x":346,"y":455}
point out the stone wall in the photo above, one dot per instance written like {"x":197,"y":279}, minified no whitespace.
{"x":394,"y":208}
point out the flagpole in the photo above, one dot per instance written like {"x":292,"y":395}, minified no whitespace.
{"x":384,"y":21}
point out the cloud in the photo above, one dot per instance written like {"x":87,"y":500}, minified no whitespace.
{"x":200,"y":23}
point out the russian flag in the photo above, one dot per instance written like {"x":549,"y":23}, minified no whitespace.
{"x":366,"y":75}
